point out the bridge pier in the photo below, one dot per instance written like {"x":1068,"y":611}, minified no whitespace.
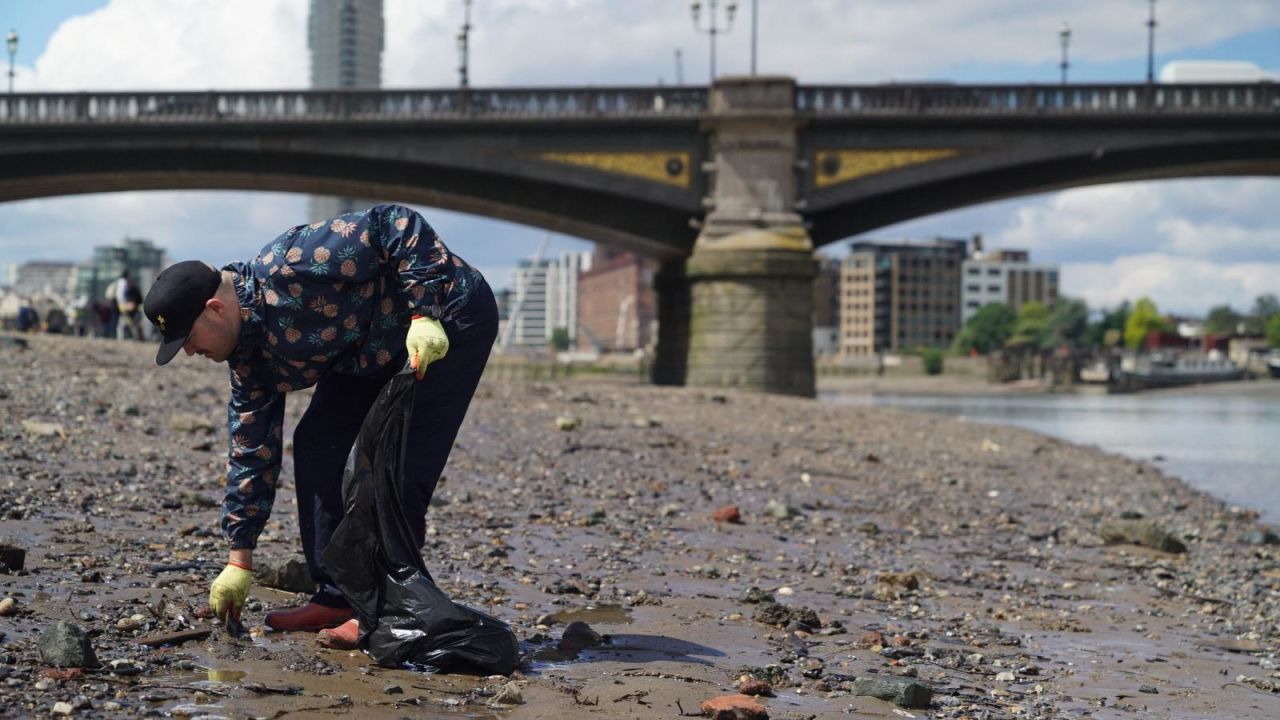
{"x":750,"y":276}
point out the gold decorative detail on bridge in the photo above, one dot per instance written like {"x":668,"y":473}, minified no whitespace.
{"x":671,"y":168}
{"x":836,"y":166}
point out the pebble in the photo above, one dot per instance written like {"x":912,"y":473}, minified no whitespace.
{"x":8,"y":606}
{"x":63,"y":708}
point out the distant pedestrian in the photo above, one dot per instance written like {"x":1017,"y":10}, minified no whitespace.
{"x":128,"y":299}
{"x":341,"y":305}
{"x":28,"y":319}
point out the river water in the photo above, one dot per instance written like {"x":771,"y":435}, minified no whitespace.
{"x":1226,"y":445}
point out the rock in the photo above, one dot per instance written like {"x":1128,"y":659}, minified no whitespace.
{"x":8,"y":606}
{"x":1145,"y":533}
{"x":748,"y":685}
{"x":284,"y":572}
{"x":734,"y":707}
{"x":872,"y":639}
{"x":12,"y":557}
{"x":1005,"y":676}
{"x":393,"y":689}
{"x":509,"y":695}
{"x":903,"y":692}
{"x":130,"y":624}
{"x":41,"y":429}
{"x":125,"y":666}
{"x":780,"y":510}
{"x":66,"y":645}
{"x":566,"y":423}
{"x":190,"y":423}
{"x":727,"y":514}
{"x":772,"y":613}
{"x":754,"y":595}
{"x":62,"y":708}
{"x":578,"y":636}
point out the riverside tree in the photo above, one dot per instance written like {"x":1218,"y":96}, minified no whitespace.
{"x":1144,"y":319}
{"x":987,"y":330}
{"x":1273,"y":331}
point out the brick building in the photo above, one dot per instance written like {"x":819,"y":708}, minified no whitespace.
{"x":617,"y":305}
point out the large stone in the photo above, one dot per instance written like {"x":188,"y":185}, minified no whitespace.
{"x":1141,"y":532}
{"x":900,"y":691}
{"x":190,"y":423}
{"x":282,"y":572}
{"x":734,"y":707}
{"x":66,"y":645}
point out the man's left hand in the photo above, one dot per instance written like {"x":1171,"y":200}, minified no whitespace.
{"x":426,"y":343}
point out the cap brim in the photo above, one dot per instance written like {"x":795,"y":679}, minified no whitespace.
{"x":169,"y":349}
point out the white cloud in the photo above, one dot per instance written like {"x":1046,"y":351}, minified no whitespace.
{"x":1176,"y":284}
{"x":1222,"y":220}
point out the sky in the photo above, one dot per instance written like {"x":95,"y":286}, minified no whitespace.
{"x":1187,"y":244}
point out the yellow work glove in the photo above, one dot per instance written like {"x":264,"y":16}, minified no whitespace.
{"x":426,"y":343}
{"x":229,"y":591}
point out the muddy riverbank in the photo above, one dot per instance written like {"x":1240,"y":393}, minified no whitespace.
{"x":966,"y":558}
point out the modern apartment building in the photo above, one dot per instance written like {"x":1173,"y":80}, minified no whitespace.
{"x":617,"y":305}
{"x":346,"y":41}
{"x":826,"y":306}
{"x":1005,"y":276}
{"x":544,"y":298}
{"x":43,"y":277}
{"x":897,"y":297}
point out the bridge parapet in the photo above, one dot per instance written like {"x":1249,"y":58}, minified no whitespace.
{"x":351,"y":105}
{"x":1038,"y":100}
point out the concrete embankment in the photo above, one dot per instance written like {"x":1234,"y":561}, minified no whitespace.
{"x":892,"y":555}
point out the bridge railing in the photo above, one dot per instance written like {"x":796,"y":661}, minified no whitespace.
{"x":337,"y":105}
{"x":1037,"y":100}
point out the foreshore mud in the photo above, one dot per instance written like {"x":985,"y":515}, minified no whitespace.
{"x":830,"y":553}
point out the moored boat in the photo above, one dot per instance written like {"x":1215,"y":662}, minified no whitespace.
{"x":1160,"y":370}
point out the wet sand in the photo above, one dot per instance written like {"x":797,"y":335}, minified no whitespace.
{"x":965,"y":556}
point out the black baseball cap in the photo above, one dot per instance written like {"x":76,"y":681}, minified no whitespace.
{"x":176,"y":299}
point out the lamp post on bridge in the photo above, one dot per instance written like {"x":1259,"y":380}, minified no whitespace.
{"x":1151,"y":44}
{"x":463,"y":34}
{"x":712,"y":28}
{"x":1064,"y":35}
{"x":11,"y":43}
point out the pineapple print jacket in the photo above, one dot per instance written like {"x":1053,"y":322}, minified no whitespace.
{"x":331,"y":297}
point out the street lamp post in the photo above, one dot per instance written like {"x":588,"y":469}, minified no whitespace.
{"x":1064,"y":35}
{"x":753,"y":35}
{"x":712,"y":28}
{"x":1151,"y":44}
{"x":11,"y":43}
{"x":463,"y":34}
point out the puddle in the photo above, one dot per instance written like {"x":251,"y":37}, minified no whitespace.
{"x":594,"y":615}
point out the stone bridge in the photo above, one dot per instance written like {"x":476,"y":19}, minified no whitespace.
{"x":731,"y":188}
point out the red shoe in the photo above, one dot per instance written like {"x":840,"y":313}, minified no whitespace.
{"x":312,"y":616}
{"x":343,"y":637}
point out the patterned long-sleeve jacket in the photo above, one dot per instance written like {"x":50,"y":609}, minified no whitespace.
{"x":331,"y":297}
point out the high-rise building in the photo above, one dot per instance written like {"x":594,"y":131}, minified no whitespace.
{"x":346,"y":41}
{"x":140,"y":257}
{"x":896,"y":297}
{"x":826,"y":306}
{"x":545,"y":300}
{"x":617,"y":305}
{"x":1005,"y":276}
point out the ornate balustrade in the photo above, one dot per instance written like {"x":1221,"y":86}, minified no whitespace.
{"x":350,"y":105}
{"x":625,"y":103}
{"x":1037,"y":100}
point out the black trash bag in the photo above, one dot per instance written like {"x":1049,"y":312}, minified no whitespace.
{"x":372,"y":558}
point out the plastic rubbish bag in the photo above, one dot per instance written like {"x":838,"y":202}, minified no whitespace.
{"x":372,"y":558}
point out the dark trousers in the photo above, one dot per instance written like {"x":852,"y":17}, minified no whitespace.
{"x":328,"y":429}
